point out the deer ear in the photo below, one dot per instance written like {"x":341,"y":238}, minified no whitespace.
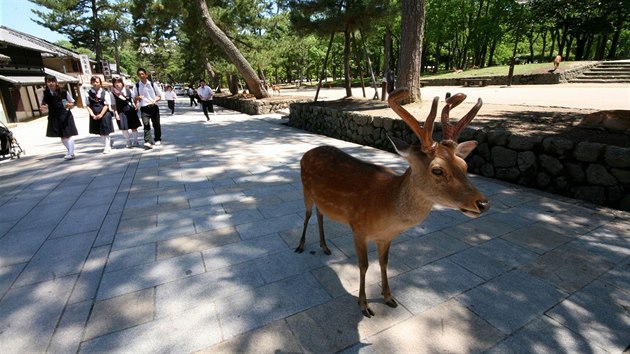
{"x":402,"y":148}
{"x":463,"y":149}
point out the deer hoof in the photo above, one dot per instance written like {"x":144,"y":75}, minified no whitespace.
{"x":367,"y":312}
{"x":391,"y":303}
{"x":327,"y":252}
{"x":299,"y":249}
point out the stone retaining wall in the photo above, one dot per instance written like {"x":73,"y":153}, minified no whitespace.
{"x":593,"y":172}
{"x":253,"y":106}
{"x":534,"y":79}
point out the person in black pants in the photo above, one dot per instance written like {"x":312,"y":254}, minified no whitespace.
{"x":147,"y":94}
{"x":192,"y":94}
{"x":205,"y":97}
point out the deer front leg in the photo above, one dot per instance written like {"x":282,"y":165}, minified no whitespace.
{"x":383,"y":260}
{"x":307,"y":216}
{"x":322,"y":239}
{"x":360,"y":245}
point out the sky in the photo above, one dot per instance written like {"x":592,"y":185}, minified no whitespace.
{"x":17,"y":15}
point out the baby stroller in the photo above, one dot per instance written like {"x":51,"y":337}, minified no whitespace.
{"x":8,"y":143}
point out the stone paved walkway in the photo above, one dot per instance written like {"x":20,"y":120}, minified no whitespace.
{"x":189,"y":247}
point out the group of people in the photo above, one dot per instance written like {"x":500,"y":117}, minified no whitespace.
{"x":131,"y":109}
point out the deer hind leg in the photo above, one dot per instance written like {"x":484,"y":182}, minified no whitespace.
{"x":322,"y":239}
{"x":307,"y":217}
{"x":383,"y":259}
{"x":360,"y":245}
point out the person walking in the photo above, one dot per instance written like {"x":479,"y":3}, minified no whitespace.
{"x":125,"y":112}
{"x":147,"y":94}
{"x":191,"y":94}
{"x":205,"y":97}
{"x":61,"y":124}
{"x":98,"y":107}
{"x":170,"y":96}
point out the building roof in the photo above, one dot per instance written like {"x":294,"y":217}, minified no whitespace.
{"x":27,"y":80}
{"x":24,"y":40}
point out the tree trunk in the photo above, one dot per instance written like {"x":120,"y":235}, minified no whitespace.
{"x":346,"y":62}
{"x":412,"y":30}
{"x":98,"y":51}
{"x":234,"y":55}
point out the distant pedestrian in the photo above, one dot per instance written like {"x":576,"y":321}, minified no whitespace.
{"x":192,"y":94}
{"x":170,"y":96}
{"x":99,"y":108}
{"x":556,"y":61}
{"x":61,"y":124}
{"x":125,"y":112}
{"x":147,"y":94}
{"x":205,"y":97}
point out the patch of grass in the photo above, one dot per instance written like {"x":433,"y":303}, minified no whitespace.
{"x":524,"y":69}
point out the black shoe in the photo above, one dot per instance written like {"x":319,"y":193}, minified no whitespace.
{"x":208,"y":119}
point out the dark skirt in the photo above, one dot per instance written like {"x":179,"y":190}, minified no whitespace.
{"x":61,"y":124}
{"x":128,"y":120}
{"x":103,"y":126}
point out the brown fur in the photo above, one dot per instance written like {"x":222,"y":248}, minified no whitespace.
{"x":610,"y":120}
{"x":275,"y":88}
{"x":377,"y":203}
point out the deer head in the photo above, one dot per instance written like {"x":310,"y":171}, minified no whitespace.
{"x":442,"y":164}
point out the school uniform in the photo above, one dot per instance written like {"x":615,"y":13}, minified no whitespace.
{"x":97,"y":100}
{"x":149,"y":113}
{"x":60,"y":119}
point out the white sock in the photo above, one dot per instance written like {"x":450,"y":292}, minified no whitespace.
{"x":70,"y":146}
{"x":125,"y":134}
{"x":106,"y":141}
{"x":65,"y":143}
{"x":134,"y":134}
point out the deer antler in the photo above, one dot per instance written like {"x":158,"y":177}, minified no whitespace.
{"x":424,"y":133}
{"x":449,"y":131}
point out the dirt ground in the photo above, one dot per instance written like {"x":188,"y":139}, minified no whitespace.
{"x":524,"y":120}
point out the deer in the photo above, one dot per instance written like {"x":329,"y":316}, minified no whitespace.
{"x":275,"y":88}
{"x":378,"y":203}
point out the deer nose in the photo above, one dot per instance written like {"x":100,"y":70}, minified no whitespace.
{"x":483,"y":205}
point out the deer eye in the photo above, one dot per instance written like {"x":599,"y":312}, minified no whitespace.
{"x":437,"y":171}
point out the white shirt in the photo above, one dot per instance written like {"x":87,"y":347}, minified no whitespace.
{"x":205,"y":93}
{"x":107,"y":101}
{"x":170,"y":95}
{"x":149,"y":91}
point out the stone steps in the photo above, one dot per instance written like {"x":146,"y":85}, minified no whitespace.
{"x":606,"y":72}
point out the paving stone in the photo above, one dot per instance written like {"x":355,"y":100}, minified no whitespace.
{"x":285,"y":263}
{"x":537,"y":238}
{"x":30,"y":313}
{"x":477,"y":231}
{"x":512,"y":300}
{"x":435,"y":221}
{"x":248,"y":310}
{"x":80,"y":221}
{"x":197,"y":242}
{"x":432,"y":284}
{"x":120,"y":312}
{"x":568,"y":268}
{"x":619,"y":277}
{"x":493,"y":258}
{"x":20,"y":246}
{"x":598,"y":313}
{"x":181,"y":295}
{"x":268,"y":226}
{"x":426,"y":249}
{"x":275,"y":337}
{"x":57,"y":258}
{"x":220,"y":221}
{"x":339,"y":323}
{"x":447,"y":328}
{"x":42,"y":216}
{"x":108,"y":230}
{"x":67,"y":336}
{"x":184,"y":332}
{"x":224,"y":256}
{"x":148,"y":275}
{"x":544,"y":335}
{"x":619,"y":236}
{"x":609,"y":252}
{"x":8,"y":275}
{"x":90,"y":276}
